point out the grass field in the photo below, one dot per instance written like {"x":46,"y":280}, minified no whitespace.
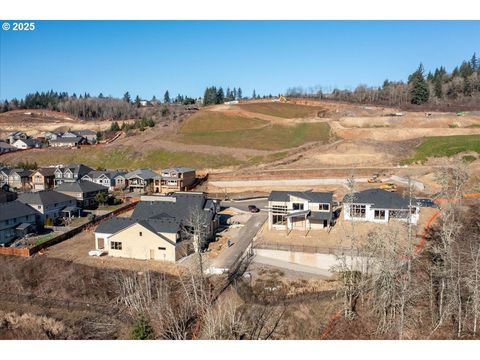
{"x":288,"y":111}
{"x":124,"y":158}
{"x":274,"y":137}
{"x":217,"y":121}
{"x":440,"y":146}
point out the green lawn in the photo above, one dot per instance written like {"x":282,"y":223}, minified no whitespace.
{"x":274,"y":137}
{"x":126,"y":158}
{"x":440,"y":146}
{"x":45,"y":238}
{"x":217,"y":121}
{"x":288,"y":111}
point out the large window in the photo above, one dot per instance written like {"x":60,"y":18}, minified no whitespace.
{"x":358,"y":211}
{"x":279,"y":212}
{"x":278,"y":219}
{"x":116,"y":245}
{"x":297,"y":206}
{"x":324,"y":207}
{"x":398,"y":214}
{"x":379,"y":214}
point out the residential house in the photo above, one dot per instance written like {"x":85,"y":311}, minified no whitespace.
{"x":69,"y":134}
{"x":6,"y":195}
{"x":303,"y":210}
{"x":70,"y":173}
{"x":175,"y":179}
{"x":49,"y":135}
{"x":380,"y":206}
{"x":4,"y":171}
{"x":17,"y":219}
{"x":5,"y":148}
{"x":51,"y":204}
{"x":17,"y":135}
{"x":20,"y":179}
{"x":84,"y":191}
{"x":141,"y":180}
{"x":104,"y":177}
{"x":43,"y":179}
{"x":73,"y":141}
{"x":158,"y":228}
{"x":89,"y":135}
{"x":121,"y":181}
{"x":23,"y":144}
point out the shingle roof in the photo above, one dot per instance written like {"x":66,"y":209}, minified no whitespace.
{"x":48,"y":171}
{"x":179,"y":169}
{"x":44,"y":198}
{"x":20,"y":172}
{"x":142,"y":173}
{"x":94,"y":174}
{"x":85,"y":132}
{"x":67,"y":139}
{"x":81,"y":186}
{"x":379,"y":198}
{"x":117,"y":224}
{"x":4,"y":145}
{"x":14,"y":209}
{"x":113,"y":225}
{"x":313,"y":196}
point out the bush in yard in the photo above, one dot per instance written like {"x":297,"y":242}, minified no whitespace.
{"x":142,"y":330}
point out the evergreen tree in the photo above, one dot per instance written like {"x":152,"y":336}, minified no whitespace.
{"x":474,"y":62}
{"x":239,"y":94}
{"x":166,"y":97}
{"x":142,"y":330}
{"x":254,"y":95}
{"x":437,"y":86}
{"x":137,"y":101}
{"x":419,"y":92}
{"x":126,"y":97}
{"x":220,"y":97}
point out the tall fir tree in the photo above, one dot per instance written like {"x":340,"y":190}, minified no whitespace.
{"x":419,"y":92}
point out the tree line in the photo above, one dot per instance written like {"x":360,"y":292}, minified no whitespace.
{"x":460,"y":86}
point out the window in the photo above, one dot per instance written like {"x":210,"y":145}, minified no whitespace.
{"x":278,"y":219}
{"x":162,"y":248}
{"x":297,"y":206}
{"x":140,"y":233}
{"x":324,"y":207}
{"x":116,"y":245}
{"x":281,"y":209}
{"x":379,"y":214}
{"x":358,"y":211}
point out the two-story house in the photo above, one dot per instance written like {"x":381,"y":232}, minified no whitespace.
{"x":104,"y":177}
{"x":43,"y":179}
{"x":51,"y":204}
{"x":379,"y":206}
{"x":175,"y":179}
{"x":73,"y":141}
{"x":89,"y":135}
{"x":17,"y":219}
{"x":302,"y":210}
{"x":70,"y":173}
{"x":20,"y":179}
{"x":16,"y":135}
{"x":84,"y":191}
{"x":141,"y":180}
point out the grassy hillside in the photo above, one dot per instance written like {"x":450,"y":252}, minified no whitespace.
{"x":440,"y":146}
{"x":121,"y":158}
{"x":217,"y":121}
{"x":288,"y":111}
{"x":274,"y":137}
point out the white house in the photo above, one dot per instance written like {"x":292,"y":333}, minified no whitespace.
{"x":105,"y":178}
{"x":29,"y":143}
{"x":380,"y":206}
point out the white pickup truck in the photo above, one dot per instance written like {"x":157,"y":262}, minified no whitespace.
{"x":96,"y":252}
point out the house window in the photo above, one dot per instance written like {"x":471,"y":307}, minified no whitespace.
{"x":398,"y":214}
{"x":297,"y":206}
{"x":278,"y":219}
{"x":116,"y":245}
{"x":324,"y":207}
{"x":379,"y":214}
{"x":140,"y":233}
{"x":162,"y":248}
{"x":358,"y":211}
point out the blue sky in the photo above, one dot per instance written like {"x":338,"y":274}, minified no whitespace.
{"x":148,"y":57}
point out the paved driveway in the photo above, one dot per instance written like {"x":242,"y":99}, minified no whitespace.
{"x":243,"y":205}
{"x":230,"y":255}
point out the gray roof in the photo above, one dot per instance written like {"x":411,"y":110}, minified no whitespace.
{"x":78,"y":169}
{"x":4,"y":145}
{"x":75,"y":139}
{"x":44,"y":198}
{"x":179,"y":169}
{"x":379,"y":198}
{"x":180,"y":209}
{"x":313,"y":196}
{"x":14,"y":209}
{"x":116,"y":224}
{"x":94,"y":174}
{"x":20,"y":172}
{"x":320,"y":215}
{"x":145,"y":174}
{"x":85,"y":132}
{"x":48,"y":171}
{"x":83,"y":186}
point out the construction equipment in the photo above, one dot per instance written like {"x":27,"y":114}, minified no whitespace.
{"x":389,"y":187}
{"x":374,"y":179}
{"x":281,"y":99}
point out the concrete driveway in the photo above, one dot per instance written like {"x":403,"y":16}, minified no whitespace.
{"x":229,"y":256}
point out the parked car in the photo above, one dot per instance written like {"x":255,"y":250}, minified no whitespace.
{"x":424,"y":202}
{"x":253,"y":209}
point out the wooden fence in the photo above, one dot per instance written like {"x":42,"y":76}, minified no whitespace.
{"x":24,"y":251}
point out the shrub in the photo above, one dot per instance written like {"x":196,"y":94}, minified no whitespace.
{"x":142,"y":330}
